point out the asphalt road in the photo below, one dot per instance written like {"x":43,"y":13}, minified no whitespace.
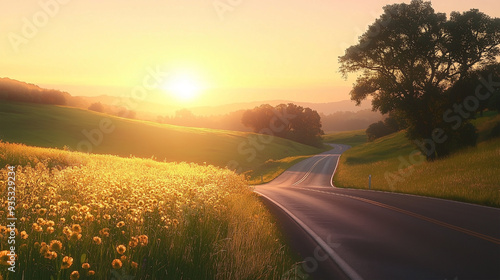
{"x":363,"y":234}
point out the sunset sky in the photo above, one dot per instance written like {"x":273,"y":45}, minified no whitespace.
{"x":287,"y":48}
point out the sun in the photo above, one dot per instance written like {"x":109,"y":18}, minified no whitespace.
{"x":183,"y":87}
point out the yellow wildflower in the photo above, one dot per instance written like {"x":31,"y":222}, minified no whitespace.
{"x":116,"y":264}
{"x":66,"y":262}
{"x":75,"y":275}
{"x":121,"y":249}
{"x":55,"y":245}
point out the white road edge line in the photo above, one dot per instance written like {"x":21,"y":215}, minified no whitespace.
{"x":346,"y":268}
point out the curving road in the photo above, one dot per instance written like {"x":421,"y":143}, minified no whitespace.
{"x":362,"y":234}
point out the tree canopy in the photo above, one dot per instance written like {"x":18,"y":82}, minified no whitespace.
{"x":12,"y":90}
{"x":288,"y":121}
{"x":409,"y":61}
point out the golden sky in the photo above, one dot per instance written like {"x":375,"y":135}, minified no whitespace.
{"x":92,"y":47}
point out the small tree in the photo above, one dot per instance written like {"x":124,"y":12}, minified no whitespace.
{"x":97,"y":107}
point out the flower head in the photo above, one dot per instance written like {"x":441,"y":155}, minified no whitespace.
{"x":97,"y":240}
{"x":66,"y":262}
{"x":121,"y":249}
{"x":76,"y":228}
{"x":75,"y":275}
{"x":50,"y":230}
{"x":143,"y":240}
{"x":86,"y":266}
{"x":116,"y":264}
{"x":55,"y":245}
{"x":5,"y":258}
{"x":42,"y":211}
{"x":24,"y":235}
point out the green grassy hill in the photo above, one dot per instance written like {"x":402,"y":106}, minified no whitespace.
{"x":56,"y":127}
{"x":351,"y":138}
{"x":470,"y":175}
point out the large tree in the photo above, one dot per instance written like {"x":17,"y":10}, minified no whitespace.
{"x":288,"y":121}
{"x":409,"y":60}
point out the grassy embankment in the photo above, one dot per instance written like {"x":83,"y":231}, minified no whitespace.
{"x":56,"y":127}
{"x":470,"y":175}
{"x":102,"y":215}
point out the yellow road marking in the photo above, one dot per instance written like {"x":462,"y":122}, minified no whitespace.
{"x":418,"y":216}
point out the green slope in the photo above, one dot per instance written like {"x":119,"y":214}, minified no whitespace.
{"x":56,"y":127}
{"x":351,"y":138}
{"x":470,"y":175}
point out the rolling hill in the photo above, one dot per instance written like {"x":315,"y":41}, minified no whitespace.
{"x":82,"y":130}
{"x":469,"y":175}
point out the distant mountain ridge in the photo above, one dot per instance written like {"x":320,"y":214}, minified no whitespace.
{"x":322,"y":108}
{"x":165,"y":109}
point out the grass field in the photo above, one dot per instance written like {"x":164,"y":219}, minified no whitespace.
{"x":98,"y":215}
{"x":56,"y":127}
{"x":351,"y":138}
{"x":470,"y":175}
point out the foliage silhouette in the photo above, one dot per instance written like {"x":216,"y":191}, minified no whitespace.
{"x":412,"y":59}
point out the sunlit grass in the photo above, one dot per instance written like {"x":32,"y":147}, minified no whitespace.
{"x":351,"y":138}
{"x":102,"y":215}
{"x":469,"y":175}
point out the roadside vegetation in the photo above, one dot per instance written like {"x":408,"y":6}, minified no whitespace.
{"x":97,"y":216}
{"x":469,"y":175}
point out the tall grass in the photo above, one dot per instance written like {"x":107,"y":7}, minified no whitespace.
{"x":95,"y":216}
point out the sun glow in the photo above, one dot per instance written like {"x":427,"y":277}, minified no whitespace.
{"x":183,"y":87}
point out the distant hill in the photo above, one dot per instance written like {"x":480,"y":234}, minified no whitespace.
{"x":166,"y":109}
{"x":17,"y":91}
{"x":13,"y":90}
{"x":145,"y":110}
{"x":321,"y":108}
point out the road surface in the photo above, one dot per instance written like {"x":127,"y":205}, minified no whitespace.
{"x":363,"y":234}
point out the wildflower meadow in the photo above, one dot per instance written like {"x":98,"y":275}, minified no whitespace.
{"x":82,"y":216}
